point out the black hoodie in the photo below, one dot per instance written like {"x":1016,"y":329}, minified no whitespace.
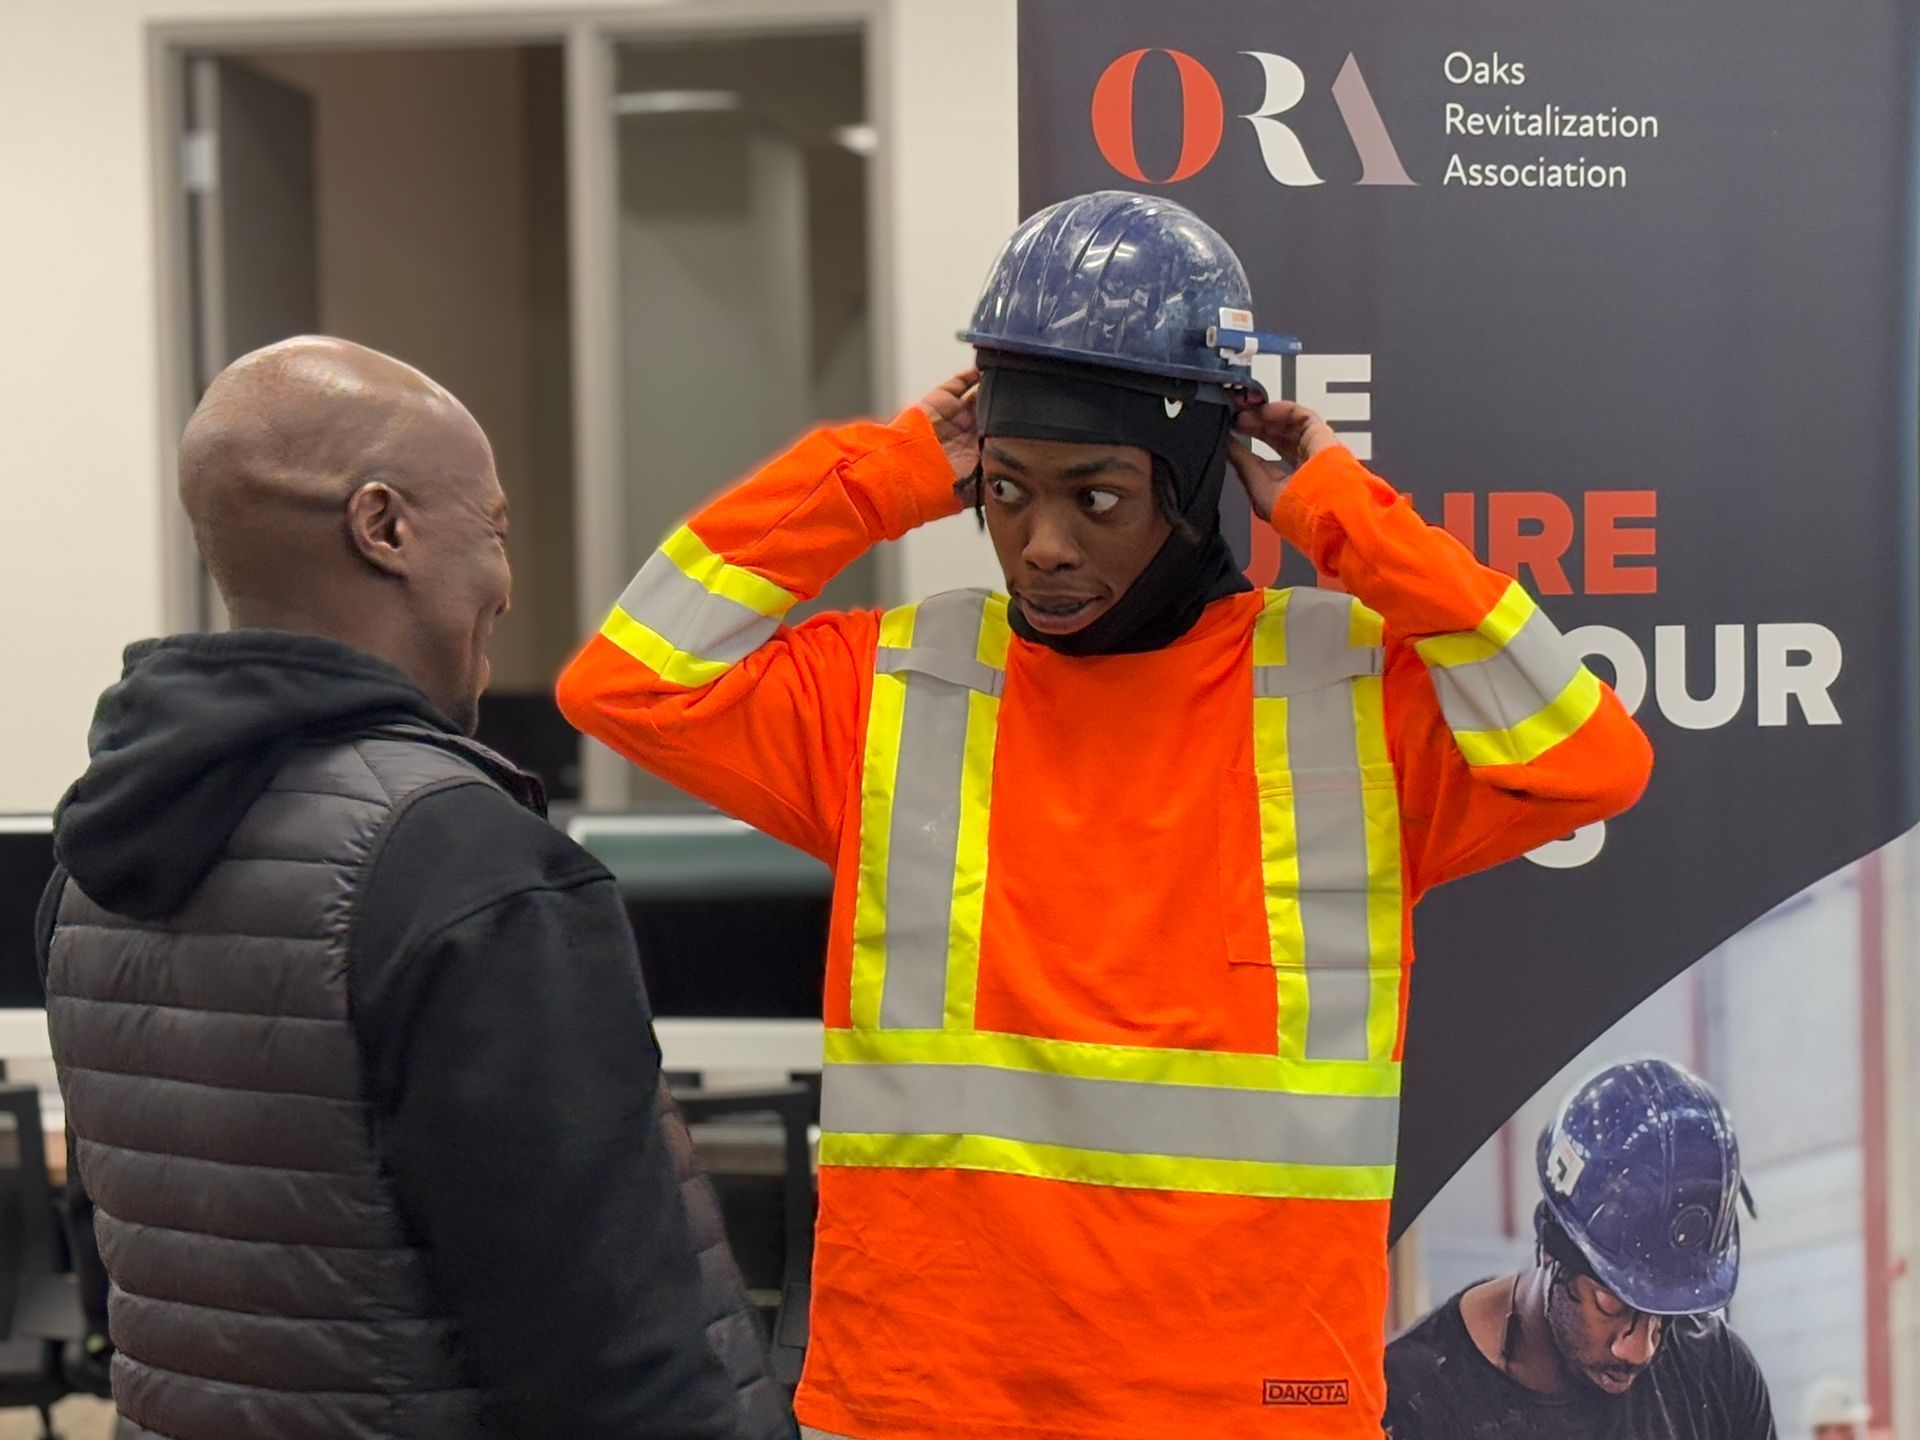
{"x":495,"y":994}
{"x":191,"y":736}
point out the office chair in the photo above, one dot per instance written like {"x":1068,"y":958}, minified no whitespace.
{"x":797,"y":1107}
{"x":39,"y":1303}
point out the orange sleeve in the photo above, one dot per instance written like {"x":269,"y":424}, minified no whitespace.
{"x":1501,"y":739}
{"x":696,"y":677}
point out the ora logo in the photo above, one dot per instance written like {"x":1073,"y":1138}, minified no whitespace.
{"x":1203,"y":120}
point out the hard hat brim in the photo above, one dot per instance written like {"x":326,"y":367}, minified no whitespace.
{"x":1709,"y":1289}
{"x":1237,"y":380}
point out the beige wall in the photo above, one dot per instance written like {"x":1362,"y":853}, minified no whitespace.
{"x":420,"y":178}
{"x":81,"y":431}
{"x":956,"y":198}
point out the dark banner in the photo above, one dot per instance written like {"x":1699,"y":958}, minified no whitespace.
{"x":1624,"y":296}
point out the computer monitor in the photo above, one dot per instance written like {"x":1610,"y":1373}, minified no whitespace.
{"x":731,"y":923}
{"x":26,"y":862}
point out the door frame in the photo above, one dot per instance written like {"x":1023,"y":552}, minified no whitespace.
{"x":587,"y":38}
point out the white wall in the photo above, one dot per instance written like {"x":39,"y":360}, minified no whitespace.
{"x":80,"y":556}
{"x":1789,"y":1027}
{"x":81,"y":457}
{"x":1902,"y":1020}
{"x":955,"y":199}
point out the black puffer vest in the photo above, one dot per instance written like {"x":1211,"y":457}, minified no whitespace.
{"x":264,"y":1285}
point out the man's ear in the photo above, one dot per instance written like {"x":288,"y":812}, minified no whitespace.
{"x":380,"y":527}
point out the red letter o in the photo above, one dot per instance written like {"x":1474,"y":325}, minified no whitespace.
{"x":1202,"y":116}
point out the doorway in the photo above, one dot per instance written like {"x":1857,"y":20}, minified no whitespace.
{"x":413,"y":200}
{"x":640,"y":249}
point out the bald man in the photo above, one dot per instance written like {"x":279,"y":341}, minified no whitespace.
{"x":353,"y":1043}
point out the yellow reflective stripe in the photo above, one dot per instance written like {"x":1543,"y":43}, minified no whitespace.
{"x":976,"y":801}
{"x":1526,"y":742}
{"x":886,"y":715}
{"x":970,"y":861}
{"x":1486,"y":639}
{"x":1101,"y":1167}
{"x":1279,"y":838}
{"x":674,"y":666}
{"x":1366,"y":628}
{"x":1270,"y":630}
{"x":996,"y":634}
{"x":714,"y":575}
{"x":1147,"y":1064}
{"x":1380,"y":800}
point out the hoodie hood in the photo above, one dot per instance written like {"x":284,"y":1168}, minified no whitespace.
{"x":190,"y":737}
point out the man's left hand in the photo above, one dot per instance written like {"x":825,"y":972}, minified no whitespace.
{"x":1296,"y":435}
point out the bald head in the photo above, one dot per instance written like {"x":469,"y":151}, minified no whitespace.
{"x":336,"y":491}
{"x":282,"y":439}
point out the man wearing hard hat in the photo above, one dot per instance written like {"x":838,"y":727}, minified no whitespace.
{"x":1124,"y":858}
{"x":1834,"y":1410}
{"x":1615,"y":1333}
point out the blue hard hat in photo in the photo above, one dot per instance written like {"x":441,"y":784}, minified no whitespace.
{"x":1642,"y":1170}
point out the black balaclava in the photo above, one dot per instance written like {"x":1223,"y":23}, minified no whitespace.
{"x":1187,"y":436}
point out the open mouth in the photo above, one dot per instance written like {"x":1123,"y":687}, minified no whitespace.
{"x":1060,"y":615}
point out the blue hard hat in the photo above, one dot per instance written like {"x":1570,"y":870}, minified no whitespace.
{"x":1641,"y":1169}
{"x":1126,"y":282}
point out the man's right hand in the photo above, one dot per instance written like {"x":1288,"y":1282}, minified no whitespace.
{"x":955,"y":424}
{"x":1295,"y":433}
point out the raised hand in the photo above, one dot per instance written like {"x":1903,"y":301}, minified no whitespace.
{"x":949,"y":406}
{"x":1296,"y":435}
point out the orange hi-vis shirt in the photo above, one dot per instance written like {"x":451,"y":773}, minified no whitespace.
{"x":1116,"y":980}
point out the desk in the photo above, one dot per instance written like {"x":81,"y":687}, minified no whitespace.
{"x":23,"y":1035}
{"x":724,"y":1053}
{"x":789,"y":1046}
{"x":691,"y":857}
{"x":707,"y":1047}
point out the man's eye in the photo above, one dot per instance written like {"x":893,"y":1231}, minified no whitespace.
{"x":1099,"y":502}
{"x":1004,"y":490}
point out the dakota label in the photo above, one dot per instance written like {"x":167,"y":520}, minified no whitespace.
{"x":1304,"y":1392}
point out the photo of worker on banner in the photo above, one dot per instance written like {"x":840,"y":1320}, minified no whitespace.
{"x":1679,"y":1237}
{"x":1616,"y":1329}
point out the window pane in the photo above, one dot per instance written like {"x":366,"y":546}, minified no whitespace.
{"x":743,"y":269}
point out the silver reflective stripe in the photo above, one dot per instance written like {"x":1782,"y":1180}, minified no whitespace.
{"x":1201,"y":1122}
{"x":1331,"y":826}
{"x":690,"y":617}
{"x":1329,"y":822}
{"x":1271,"y":682}
{"x":924,"y":842}
{"x":1515,"y":685}
{"x":943,"y":665}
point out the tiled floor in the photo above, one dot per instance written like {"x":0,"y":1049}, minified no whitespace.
{"x":78,"y":1418}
